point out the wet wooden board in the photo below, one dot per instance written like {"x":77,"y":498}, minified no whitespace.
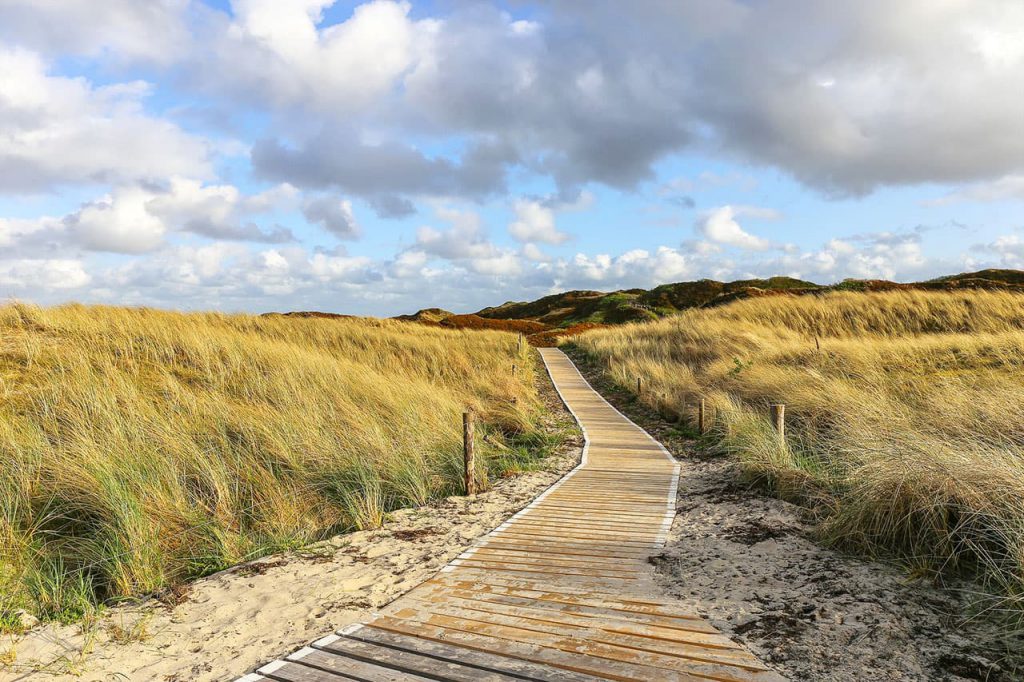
{"x":562,"y":591}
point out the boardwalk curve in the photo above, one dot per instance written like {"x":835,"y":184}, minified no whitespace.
{"x":561,"y":591}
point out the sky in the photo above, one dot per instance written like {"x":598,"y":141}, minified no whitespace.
{"x":375,"y":158}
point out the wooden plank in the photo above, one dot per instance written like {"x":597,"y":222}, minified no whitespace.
{"x":576,"y":593}
{"x":287,"y":671}
{"x":604,"y":519}
{"x":611,"y":618}
{"x":624,"y":647}
{"x":531,"y":558}
{"x":499,"y":551}
{"x":576,"y":598}
{"x":626,"y":510}
{"x":536,"y":653}
{"x":556,"y":614}
{"x":314,"y":664}
{"x":547,"y":569}
{"x":482,"y":659}
{"x":429,"y":666}
{"x":565,"y":548}
{"x":546,"y":580}
{"x":569,"y":536}
{"x":636,"y":534}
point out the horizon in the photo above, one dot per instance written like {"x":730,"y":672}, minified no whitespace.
{"x":169,"y":308}
{"x":378,"y":158}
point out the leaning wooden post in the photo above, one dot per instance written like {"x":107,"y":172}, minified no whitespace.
{"x":702,"y":423}
{"x":779,"y":419}
{"x":469,"y":455}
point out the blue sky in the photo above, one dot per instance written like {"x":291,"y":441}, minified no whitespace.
{"x":379,"y":157}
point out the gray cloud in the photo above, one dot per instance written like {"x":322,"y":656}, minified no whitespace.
{"x":391,"y":206}
{"x":842,"y":97}
{"x":845,"y":97}
{"x":246,"y":231}
{"x":332,"y":214}
{"x":333,"y":159}
{"x":876,"y":94}
{"x":152,"y":31}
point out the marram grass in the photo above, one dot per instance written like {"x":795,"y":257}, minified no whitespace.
{"x":905,"y":430}
{"x":139,"y":448}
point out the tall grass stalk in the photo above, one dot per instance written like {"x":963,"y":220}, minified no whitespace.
{"x":905,"y":430}
{"x":139,"y":448}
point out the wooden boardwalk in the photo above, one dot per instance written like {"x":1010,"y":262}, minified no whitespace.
{"x":561,"y":591}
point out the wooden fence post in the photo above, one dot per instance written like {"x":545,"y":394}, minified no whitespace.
{"x":469,"y":454}
{"x":638,"y":391}
{"x":778,"y":411}
{"x":702,"y":423}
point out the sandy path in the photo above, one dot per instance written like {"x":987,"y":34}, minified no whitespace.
{"x":749,"y":564}
{"x":229,"y":622}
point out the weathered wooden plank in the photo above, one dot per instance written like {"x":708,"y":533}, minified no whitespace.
{"x":604,"y":519}
{"x":625,"y":647}
{"x":605,"y":586}
{"x":567,"y":535}
{"x":408,"y":661}
{"x":578,"y":597}
{"x":483,"y":659}
{"x":535,"y":653}
{"x":544,"y":569}
{"x":287,"y":671}
{"x":571,"y":529}
{"x":302,"y":662}
{"x":564,"y":548}
{"x":605,"y":617}
{"x":498,"y":552}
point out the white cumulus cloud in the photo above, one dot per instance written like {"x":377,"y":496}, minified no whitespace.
{"x":720,"y":226}
{"x":535,"y":222}
{"x":59,"y":131}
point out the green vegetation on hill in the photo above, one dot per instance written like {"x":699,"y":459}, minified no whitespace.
{"x":427,"y":315}
{"x":637,"y":305}
{"x":671,"y":298}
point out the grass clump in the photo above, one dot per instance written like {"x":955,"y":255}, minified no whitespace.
{"x":139,"y":448}
{"x":905,"y":415}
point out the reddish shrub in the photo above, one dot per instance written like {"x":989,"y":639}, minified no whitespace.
{"x":549,"y":338}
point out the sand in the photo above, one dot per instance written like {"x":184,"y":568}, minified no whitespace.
{"x":226,"y":624}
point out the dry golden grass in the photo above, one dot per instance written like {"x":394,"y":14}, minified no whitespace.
{"x":905,"y":430}
{"x":140,"y":448}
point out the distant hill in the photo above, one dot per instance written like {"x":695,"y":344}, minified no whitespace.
{"x":558,"y":313}
{"x":572,"y":307}
{"x":310,"y":313}
{"x":439,"y":317}
{"x":426,"y":315}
